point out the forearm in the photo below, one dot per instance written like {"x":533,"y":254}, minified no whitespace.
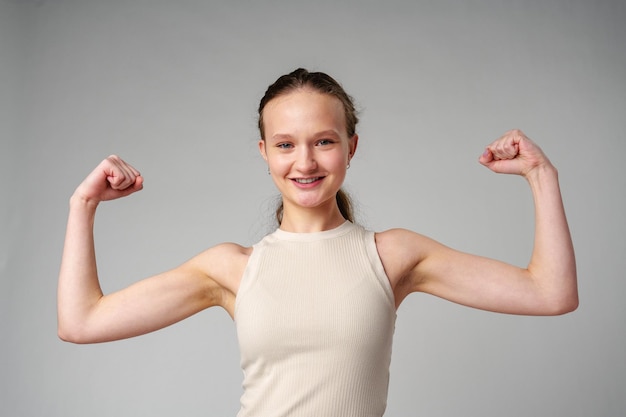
{"x":552,"y":264}
{"x":78,"y":288}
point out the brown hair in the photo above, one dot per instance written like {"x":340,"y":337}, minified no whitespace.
{"x":325,"y":84}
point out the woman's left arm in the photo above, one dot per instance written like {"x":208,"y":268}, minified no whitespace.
{"x":547,"y":286}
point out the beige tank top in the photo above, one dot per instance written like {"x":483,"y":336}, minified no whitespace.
{"x":315,"y":317}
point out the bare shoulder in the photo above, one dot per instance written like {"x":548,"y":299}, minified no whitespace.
{"x":393,"y":249}
{"x":224,"y":263}
{"x":400,"y":251}
{"x":397,"y":237}
{"x":230,"y":249}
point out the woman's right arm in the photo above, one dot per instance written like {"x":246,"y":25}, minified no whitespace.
{"x":85,"y":314}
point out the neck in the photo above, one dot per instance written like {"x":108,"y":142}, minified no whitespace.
{"x":310,"y":220}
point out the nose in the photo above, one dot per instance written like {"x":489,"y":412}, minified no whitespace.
{"x":305,"y":160}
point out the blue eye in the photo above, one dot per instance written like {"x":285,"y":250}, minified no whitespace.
{"x":284,"y":145}
{"x":325,"y":142}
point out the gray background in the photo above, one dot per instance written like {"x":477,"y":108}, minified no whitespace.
{"x":173,"y":88}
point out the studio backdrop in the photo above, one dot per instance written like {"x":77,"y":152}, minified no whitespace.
{"x":173,"y":88}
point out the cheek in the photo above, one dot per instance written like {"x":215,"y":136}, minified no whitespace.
{"x":277,"y":163}
{"x":339,"y":160}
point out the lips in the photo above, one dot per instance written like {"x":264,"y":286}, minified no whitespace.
{"x":307,"y":180}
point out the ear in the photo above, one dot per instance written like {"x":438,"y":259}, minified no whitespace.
{"x":352,"y":144}
{"x":262,"y":149}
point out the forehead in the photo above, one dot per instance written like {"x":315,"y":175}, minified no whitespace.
{"x":302,"y":109}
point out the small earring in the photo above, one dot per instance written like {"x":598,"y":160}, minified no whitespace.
{"x":348,"y":166}
{"x":268,"y":171}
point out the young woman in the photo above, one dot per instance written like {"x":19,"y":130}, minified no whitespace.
{"x":315,"y":302}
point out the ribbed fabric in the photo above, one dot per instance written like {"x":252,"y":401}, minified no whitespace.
{"x":315,"y":317}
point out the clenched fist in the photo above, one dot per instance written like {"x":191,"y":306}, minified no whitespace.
{"x":113,"y":178}
{"x":513,"y":153}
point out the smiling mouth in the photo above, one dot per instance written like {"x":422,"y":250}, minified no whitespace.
{"x":307,"y":180}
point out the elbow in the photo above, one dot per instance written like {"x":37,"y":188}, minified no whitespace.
{"x":71,"y":334}
{"x":67,"y":336}
{"x":75,"y":326}
{"x":73,"y":338}
{"x":562,"y":306}
{"x":65,"y":330}
{"x":571,"y":305}
{"x":559,"y":299}
{"x":569,"y":302}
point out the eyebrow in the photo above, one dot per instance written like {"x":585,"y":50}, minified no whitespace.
{"x":323,"y":133}
{"x":280,"y":136}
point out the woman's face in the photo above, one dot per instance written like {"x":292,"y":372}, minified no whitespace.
{"x":306,"y":147}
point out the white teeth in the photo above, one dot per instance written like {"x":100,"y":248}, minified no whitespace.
{"x":306,"y":180}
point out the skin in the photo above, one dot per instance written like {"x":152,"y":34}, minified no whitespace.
{"x":306,"y":140}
